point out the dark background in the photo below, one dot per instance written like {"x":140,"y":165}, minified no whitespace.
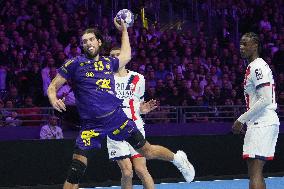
{"x":35,"y":162}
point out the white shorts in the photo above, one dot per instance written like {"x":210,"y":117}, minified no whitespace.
{"x":118,"y":150}
{"x":260,"y":142}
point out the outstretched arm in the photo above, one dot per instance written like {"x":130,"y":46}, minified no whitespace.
{"x":146,"y":107}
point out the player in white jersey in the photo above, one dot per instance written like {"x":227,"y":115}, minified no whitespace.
{"x":261,"y":119}
{"x":130,"y":87}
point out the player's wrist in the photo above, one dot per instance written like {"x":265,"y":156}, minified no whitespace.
{"x":241,"y":120}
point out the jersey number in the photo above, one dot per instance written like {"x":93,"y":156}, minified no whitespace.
{"x":99,"y":66}
{"x":258,"y":74}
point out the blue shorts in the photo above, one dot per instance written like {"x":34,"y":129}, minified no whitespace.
{"x":116,"y":125}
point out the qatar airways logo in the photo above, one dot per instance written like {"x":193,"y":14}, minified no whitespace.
{"x":126,"y":90}
{"x":122,"y":92}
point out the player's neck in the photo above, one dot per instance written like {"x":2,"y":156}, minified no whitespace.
{"x":96,"y":58}
{"x":253,"y":57}
{"x":122,"y":73}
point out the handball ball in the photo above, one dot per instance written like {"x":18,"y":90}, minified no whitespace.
{"x":125,"y":15}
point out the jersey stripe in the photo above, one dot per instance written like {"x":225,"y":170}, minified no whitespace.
{"x":131,"y":101}
{"x":135,"y":81}
{"x":262,"y":85}
{"x":131,"y":106}
{"x":246,"y":75}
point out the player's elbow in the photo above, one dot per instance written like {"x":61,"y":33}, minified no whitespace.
{"x":50,"y":89}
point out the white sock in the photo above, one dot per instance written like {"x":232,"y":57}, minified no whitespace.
{"x":176,"y":159}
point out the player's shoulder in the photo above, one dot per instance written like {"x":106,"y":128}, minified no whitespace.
{"x":75,"y":60}
{"x":107,"y":58}
{"x":259,"y":63}
{"x":260,"y":66}
{"x":260,"y":69}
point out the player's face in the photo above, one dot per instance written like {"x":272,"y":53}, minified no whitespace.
{"x":247,"y":47}
{"x":114,"y":53}
{"x":91,"y":44}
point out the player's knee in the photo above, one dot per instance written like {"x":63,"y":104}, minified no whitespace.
{"x":76,"y":171}
{"x":127,"y":172}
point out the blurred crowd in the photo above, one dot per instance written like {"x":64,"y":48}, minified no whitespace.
{"x":188,"y":67}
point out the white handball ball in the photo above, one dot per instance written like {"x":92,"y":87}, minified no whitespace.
{"x":125,"y":15}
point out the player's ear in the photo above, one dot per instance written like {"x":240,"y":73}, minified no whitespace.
{"x":100,"y":42}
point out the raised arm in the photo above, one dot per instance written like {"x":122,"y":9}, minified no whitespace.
{"x":125,"y":52}
{"x":56,"y":83}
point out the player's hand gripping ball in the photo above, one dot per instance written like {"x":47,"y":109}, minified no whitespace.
{"x":125,"y":15}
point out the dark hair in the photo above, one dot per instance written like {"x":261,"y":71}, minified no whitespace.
{"x":255,"y":38}
{"x":95,"y":32}
{"x":115,"y":48}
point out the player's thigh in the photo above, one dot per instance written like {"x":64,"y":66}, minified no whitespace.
{"x":89,"y":139}
{"x":133,"y":152}
{"x":260,"y":142}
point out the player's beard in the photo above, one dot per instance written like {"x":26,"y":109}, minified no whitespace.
{"x":91,"y":54}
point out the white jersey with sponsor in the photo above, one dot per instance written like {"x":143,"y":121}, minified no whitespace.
{"x":258,"y":74}
{"x":131,"y":90}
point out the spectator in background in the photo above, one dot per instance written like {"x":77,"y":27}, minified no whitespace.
{"x":9,"y":107}
{"x":72,"y":44}
{"x":280,"y":82}
{"x":73,"y":51}
{"x":3,"y":74}
{"x":37,"y":32}
{"x":2,"y":118}
{"x":151,"y":79}
{"x":227,"y":112}
{"x":278,"y":58}
{"x":280,"y":100}
{"x":161,"y":72}
{"x":14,"y":97}
{"x":208,"y":96}
{"x":45,"y":73}
{"x":160,"y":88}
{"x":30,"y":113}
{"x":199,"y":113}
{"x":51,"y":130}
{"x":196,"y":89}
{"x":175,"y":98}
{"x":265,"y":24}
{"x":35,"y":83}
{"x":13,"y":120}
